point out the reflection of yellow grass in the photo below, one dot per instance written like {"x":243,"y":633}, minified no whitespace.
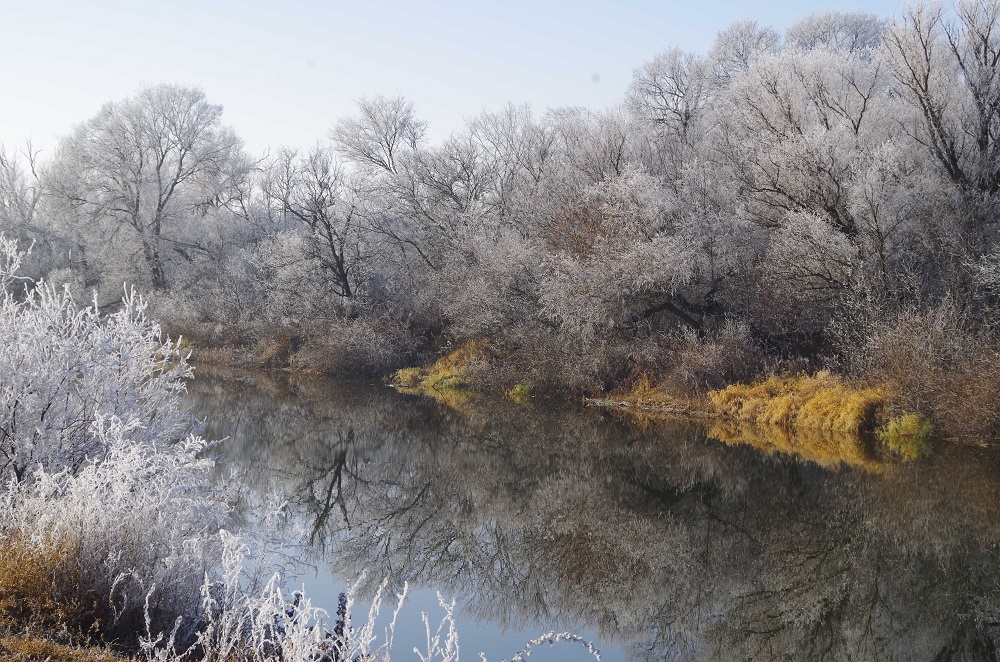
{"x":456,"y":398}
{"x":520,"y":393}
{"x":807,"y":402}
{"x":827,"y":448}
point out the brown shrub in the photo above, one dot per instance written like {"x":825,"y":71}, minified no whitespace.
{"x":33,"y":649}
{"x":699,"y":364}
{"x":359,"y":347}
{"x":941,"y":368}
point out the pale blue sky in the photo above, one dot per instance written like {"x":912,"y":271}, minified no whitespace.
{"x":286,"y":71}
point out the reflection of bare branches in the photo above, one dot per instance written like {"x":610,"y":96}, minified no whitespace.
{"x":336,"y":481}
{"x":678,"y":546}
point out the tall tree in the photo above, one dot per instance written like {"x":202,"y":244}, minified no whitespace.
{"x":309,"y":189}
{"x":144,"y":167}
{"x":948,"y":71}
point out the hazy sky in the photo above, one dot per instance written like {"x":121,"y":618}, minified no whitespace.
{"x":286,"y":71}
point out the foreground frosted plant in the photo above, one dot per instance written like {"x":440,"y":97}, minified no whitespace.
{"x":106,"y":511}
{"x":64,"y":365}
{"x":129,"y":535}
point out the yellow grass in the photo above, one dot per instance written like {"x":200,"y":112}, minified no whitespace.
{"x":33,"y":588}
{"x":907,"y":435}
{"x":445,"y":379}
{"x":32,"y":649}
{"x":449,"y":371}
{"x":820,"y":418}
{"x":646,"y":396}
{"x":806,"y":402}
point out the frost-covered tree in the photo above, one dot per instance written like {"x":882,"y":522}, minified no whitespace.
{"x":738,"y":46}
{"x":143,"y":173}
{"x":382,"y":133}
{"x":313,"y":191}
{"x":517,"y":150}
{"x":613,"y":260}
{"x":797,"y":129}
{"x":671,"y":91}
{"x":854,"y":32}
{"x":948,"y":72}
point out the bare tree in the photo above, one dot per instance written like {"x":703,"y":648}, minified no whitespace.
{"x":20,"y":191}
{"x":144,"y":167}
{"x":383,"y":130}
{"x":309,"y":188}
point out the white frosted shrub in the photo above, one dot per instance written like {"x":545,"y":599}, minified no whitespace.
{"x":132,"y":531}
{"x":63,"y":364}
{"x":612,"y":258}
{"x":105,"y":509}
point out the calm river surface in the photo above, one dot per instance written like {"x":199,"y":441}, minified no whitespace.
{"x":657,"y":542}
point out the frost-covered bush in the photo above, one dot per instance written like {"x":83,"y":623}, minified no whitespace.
{"x":129,"y":535}
{"x":610,"y":258}
{"x":63,"y":365}
{"x":105,"y":509}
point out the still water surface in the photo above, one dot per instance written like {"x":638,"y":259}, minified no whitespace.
{"x":657,"y":542}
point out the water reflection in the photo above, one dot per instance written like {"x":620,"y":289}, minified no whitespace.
{"x":670,"y":544}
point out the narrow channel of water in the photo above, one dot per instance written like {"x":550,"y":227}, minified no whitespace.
{"x":655,"y":541}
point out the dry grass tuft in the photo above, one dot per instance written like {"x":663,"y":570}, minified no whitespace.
{"x":451,"y":371}
{"x":46,"y":588}
{"x":41,"y":588}
{"x":806,"y":402}
{"x":31,"y":649}
{"x":646,"y":396}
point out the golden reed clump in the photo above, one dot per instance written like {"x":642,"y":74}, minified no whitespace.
{"x":449,"y":371}
{"x":805,"y":402}
{"x":820,"y":418}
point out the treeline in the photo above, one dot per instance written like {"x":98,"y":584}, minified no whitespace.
{"x":827,"y":198}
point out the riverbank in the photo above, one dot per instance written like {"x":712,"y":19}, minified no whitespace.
{"x":806,"y":411}
{"x":796,"y":402}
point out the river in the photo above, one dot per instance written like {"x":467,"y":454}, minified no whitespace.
{"x":654,"y":540}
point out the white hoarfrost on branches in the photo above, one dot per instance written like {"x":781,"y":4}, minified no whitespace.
{"x":65,"y":365}
{"x":138,"y":524}
{"x":611,"y":253}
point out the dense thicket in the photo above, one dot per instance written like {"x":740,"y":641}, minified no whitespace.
{"x":824,"y":197}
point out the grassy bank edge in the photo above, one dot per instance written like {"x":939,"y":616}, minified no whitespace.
{"x":808,"y":404}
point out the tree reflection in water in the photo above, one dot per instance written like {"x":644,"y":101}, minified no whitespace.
{"x":670,"y":544}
